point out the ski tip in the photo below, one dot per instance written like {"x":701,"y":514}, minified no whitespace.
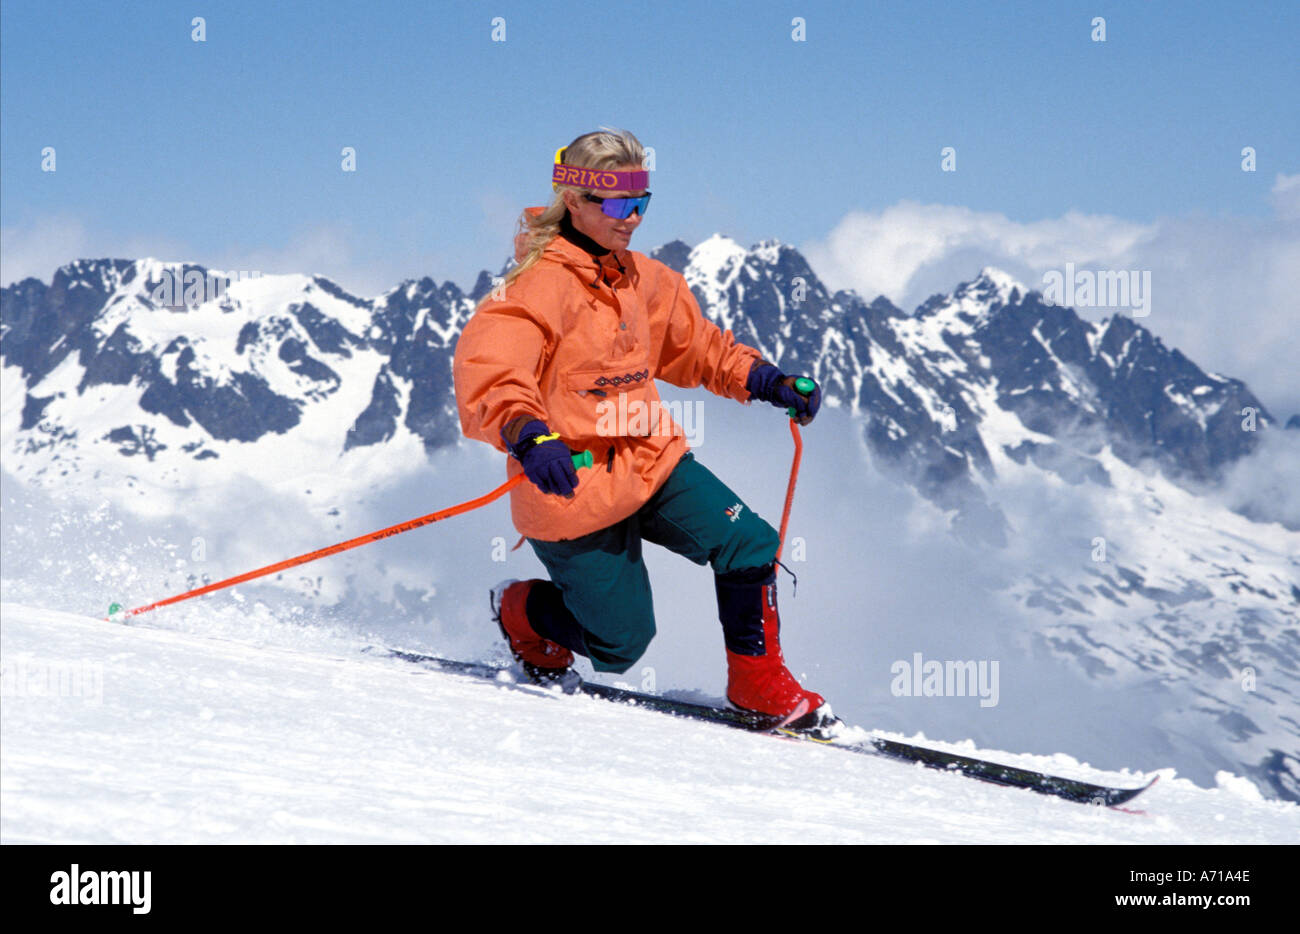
{"x":1147,"y":785}
{"x":1136,"y":792}
{"x":1117,"y":796}
{"x":115,"y":612}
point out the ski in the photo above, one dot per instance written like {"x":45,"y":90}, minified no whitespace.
{"x":1069,"y":789}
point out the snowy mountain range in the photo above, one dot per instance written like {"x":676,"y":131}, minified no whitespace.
{"x":296,"y":356}
{"x":1085,"y":450}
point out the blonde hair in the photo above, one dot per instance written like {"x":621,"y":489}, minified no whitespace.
{"x":606,"y":148}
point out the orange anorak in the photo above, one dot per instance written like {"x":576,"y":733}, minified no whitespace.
{"x":577,"y":342}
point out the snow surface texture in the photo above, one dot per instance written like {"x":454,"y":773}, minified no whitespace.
{"x":171,"y":737}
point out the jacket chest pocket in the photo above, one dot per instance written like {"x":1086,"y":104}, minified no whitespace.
{"x":618,"y":400}
{"x":608,"y":326}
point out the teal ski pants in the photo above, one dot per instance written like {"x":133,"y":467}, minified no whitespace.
{"x":600,"y":594}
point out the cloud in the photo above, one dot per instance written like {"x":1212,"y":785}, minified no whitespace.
{"x":37,"y":249}
{"x":1285,"y":196}
{"x":363,"y":265}
{"x":895,"y":252}
{"x":325,"y":251}
{"x":1225,"y":291}
{"x":1265,"y":486}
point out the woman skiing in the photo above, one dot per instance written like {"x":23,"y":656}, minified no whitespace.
{"x":577,"y":334}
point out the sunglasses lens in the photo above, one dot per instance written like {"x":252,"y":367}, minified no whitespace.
{"x":616,"y":207}
{"x":623,"y":207}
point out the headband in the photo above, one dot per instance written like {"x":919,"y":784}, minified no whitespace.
{"x":603,"y":179}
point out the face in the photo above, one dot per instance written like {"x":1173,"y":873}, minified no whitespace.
{"x":610,"y":232}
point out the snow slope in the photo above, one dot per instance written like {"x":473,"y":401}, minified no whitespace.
{"x":156,"y":736}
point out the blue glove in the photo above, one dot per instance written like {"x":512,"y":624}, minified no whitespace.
{"x":548,"y":463}
{"x":768,"y":383}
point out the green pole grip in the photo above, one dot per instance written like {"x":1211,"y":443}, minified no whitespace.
{"x":803,"y":385}
{"x":582,"y":459}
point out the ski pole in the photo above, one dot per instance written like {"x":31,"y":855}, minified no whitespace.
{"x":804,"y":386}
{"x":582,"y":459}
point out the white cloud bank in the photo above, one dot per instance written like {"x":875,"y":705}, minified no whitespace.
{"x":1224,"y":291}
{"x":37,"y":249}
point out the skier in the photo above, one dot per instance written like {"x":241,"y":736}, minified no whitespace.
{"x":577,"y":333}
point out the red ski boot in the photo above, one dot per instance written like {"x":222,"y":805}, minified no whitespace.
{"x":757,"y":678}
{"x":544,"y":661}
{"x":762,"y":683}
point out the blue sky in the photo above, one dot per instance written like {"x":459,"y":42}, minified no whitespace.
{"x":227,"y":152}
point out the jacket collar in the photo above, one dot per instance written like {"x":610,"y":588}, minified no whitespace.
{"x":569,"y":232}
{"x":563,"y":250}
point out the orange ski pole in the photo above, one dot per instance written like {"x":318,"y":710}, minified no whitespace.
{"x":579,"y":460}
{"x":789,"y":490}
{"x":804,"y":385}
